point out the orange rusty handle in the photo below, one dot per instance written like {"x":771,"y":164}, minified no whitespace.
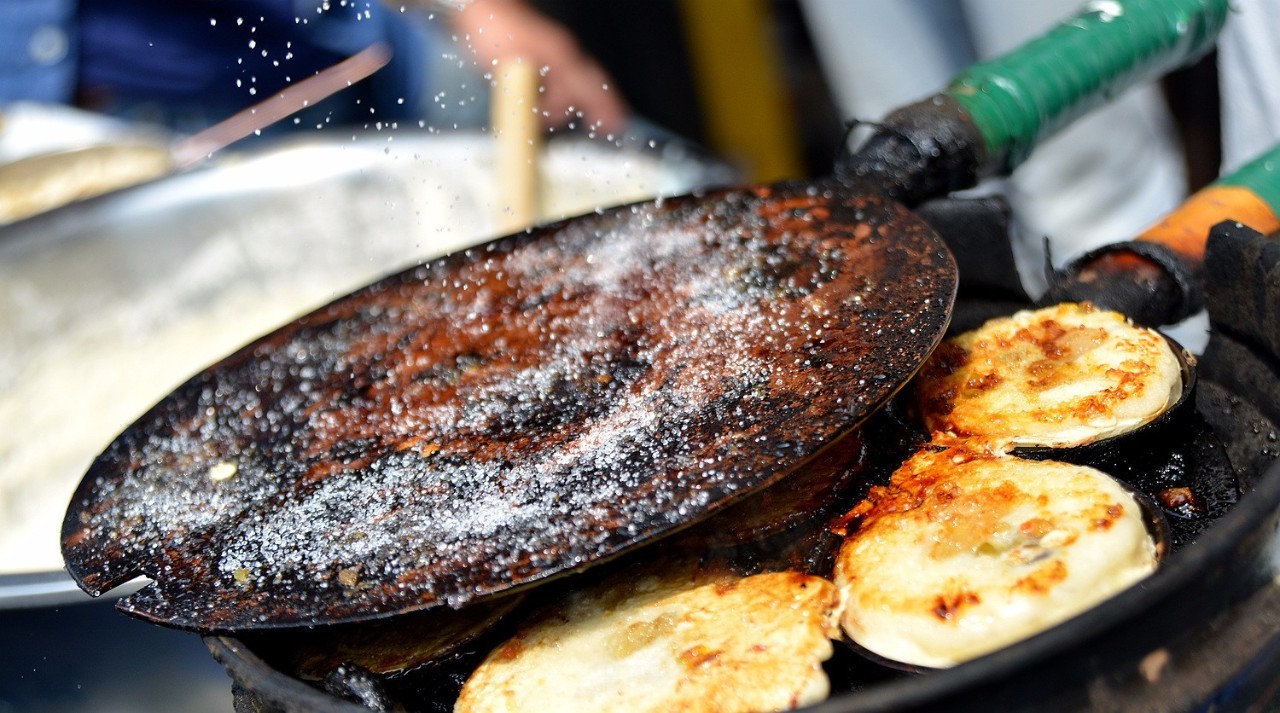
{"x":1249,"y":195}
{"x":1154,"y":279}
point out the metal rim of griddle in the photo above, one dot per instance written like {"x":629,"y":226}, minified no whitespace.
{"x":1230,"y":568}
{"x":1255,"y":515}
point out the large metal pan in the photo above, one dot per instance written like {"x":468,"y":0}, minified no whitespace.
{"x":1202,"y":633}
{"x":553,"y":399}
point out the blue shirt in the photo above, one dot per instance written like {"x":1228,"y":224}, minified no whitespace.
{"x":37,"y":50}
{"x":204,"y":59}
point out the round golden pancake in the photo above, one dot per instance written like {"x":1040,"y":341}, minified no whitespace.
{"x":1061,"y":376}
{"x":664,"y":641}
{"x":967,"y":551}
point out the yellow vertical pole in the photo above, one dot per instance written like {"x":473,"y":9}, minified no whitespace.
{"x":738,"y":73}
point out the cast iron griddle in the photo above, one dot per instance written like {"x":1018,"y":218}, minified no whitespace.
{"x":527,"y":407}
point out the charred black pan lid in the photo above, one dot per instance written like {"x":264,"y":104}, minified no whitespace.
{"x":527,"y":407}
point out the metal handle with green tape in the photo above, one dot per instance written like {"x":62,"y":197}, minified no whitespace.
{"x":1033,"y":91}
{"x":1261,"y":177}
{"x":991,"y":115}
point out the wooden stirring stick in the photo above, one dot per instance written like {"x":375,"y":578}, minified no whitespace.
{"x":514,"y":122}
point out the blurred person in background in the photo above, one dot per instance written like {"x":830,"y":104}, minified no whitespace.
{"x":1104,"y":178}
{"x":1249,"y":81}
{"x":188,"y":63}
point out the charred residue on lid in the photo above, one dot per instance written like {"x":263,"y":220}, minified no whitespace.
{"x":524,"y":408}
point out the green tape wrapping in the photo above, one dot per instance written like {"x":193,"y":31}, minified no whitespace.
{"x":1026,"y":95}
{"x":1261,"y":175}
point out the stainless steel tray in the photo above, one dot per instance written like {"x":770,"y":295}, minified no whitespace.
{"x":107,"y":304}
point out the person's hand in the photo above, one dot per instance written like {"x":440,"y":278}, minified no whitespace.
{"x":574,"y":88}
